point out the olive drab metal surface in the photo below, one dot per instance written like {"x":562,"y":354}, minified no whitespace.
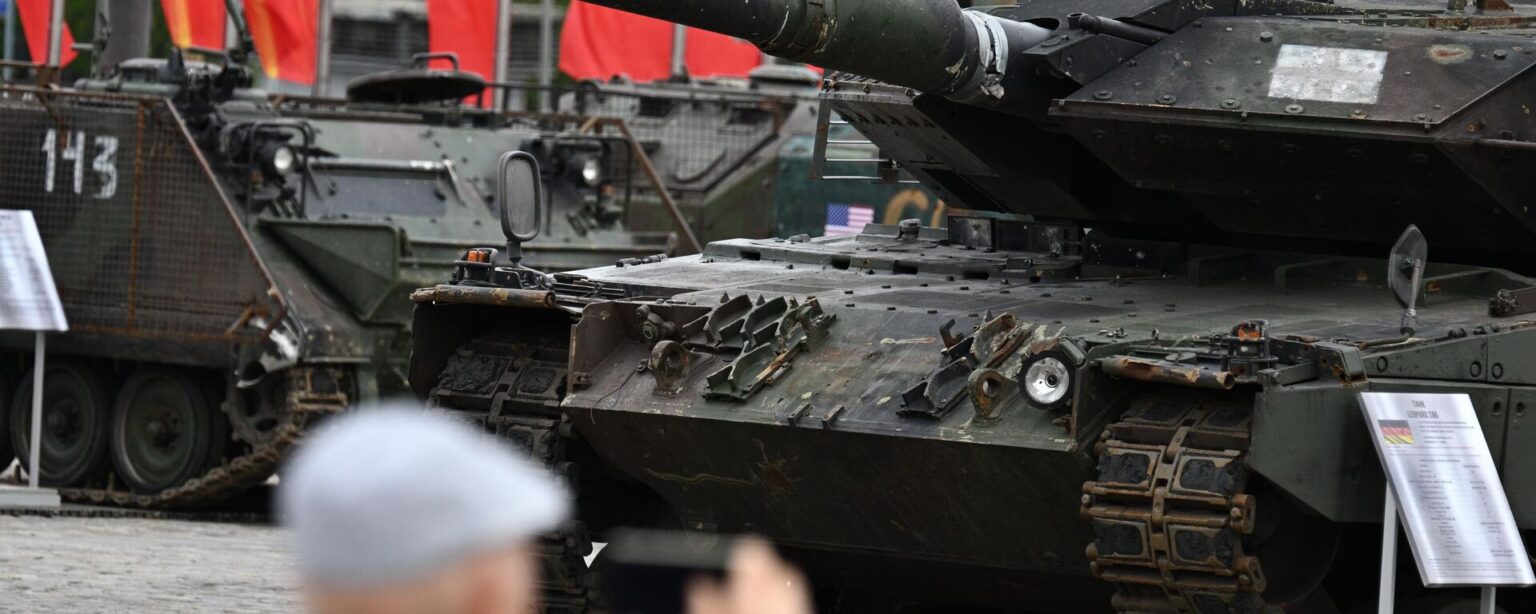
{"x":736,"y":154}
{"x":1123,"y":374}
{"x":142,"y":239}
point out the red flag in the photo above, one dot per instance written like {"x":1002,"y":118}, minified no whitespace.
{"x":597,"y":42}
{"x":195,"y":23}
{"x":465,"y":27}
{"x":708,"y":54}
{"x":284,"y":33}
{"x":34,"y":23}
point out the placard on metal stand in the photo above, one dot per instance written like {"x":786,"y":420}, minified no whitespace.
{"x":1452,"y":502}
{"x":29,"y":301}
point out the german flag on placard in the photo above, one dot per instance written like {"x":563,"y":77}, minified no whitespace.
{"x":195,"y":23}
{"x":284,"y":33}
{"x":1396,"y":432}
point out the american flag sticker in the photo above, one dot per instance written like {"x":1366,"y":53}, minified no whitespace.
{"x":1396,"y":432}
{"x":845,"y":219}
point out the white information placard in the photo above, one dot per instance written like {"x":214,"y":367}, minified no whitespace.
{"x":28,"y":298}
{"x":1451,"y":499}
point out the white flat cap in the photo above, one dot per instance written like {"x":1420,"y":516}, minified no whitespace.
{"x":394,"y":493}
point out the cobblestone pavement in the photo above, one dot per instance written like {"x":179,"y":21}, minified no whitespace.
{"x":57,"y":565}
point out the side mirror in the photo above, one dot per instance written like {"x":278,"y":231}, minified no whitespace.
{"x":1405,"y":272}
{"x":521,"y":196}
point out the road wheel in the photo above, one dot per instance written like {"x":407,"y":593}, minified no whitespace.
{"x":76,"y":410}
{"x":164,"y":430}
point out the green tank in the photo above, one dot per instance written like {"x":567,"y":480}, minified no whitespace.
{"x":1124,"y":377}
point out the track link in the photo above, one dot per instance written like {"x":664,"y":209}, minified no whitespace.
{"x":313,"y":392}
{"x":510,"y":387}
{"x":1169,"y":512}
{"x":566,"y":583}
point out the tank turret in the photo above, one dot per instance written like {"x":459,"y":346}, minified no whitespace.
{"x":1274,"y":122}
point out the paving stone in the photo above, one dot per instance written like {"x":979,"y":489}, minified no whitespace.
{"x":66,"y":564}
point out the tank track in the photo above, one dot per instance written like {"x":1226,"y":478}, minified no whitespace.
{"x":307,"y":401}
{"x":566,"y":584}
{"x":1169,"y":512}
{"x":140,"y":514}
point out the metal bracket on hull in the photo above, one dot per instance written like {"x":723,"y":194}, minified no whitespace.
{"x":984,"y":366}
{"x":1509,"y":303}
{"x":770,"y":335}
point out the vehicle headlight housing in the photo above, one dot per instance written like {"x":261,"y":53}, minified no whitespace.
{"x":1047,"y":380}
{"x":279,"y":159}
{"x":591,"y":172}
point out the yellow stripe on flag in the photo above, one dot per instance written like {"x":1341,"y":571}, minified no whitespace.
{"x":263,"y":36}
{"x":179,"y":21}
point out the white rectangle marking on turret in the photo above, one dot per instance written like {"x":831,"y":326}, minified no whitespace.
{"x":1329,"y":74}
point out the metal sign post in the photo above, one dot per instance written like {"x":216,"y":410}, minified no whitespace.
{"x":10,"y":35}
{"x":29,"y":301}
{"x":503,"y":53}
{"x":546,"y":53}
{"x":34,"y":458}
{"x":1442,"y":482}
{"x":231,"y":31}
{"x":55,"y":34}
{"x":322,"y":87}
{"x":1386,"y":598}
{"x":679,"y":67}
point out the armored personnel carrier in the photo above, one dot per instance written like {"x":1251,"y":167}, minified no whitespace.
{"x":232,"y":268}
{"x":740,"y":155}
{"x":235,"y":265}
{"x":1125,"y":377}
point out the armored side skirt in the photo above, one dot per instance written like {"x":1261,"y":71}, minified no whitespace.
{"x":950,"y":520}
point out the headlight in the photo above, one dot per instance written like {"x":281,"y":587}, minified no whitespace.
{"x":591,"y":172}
{"x":278,"y":159}
{"x":283,"y":160}
{"x":1047,"y":381}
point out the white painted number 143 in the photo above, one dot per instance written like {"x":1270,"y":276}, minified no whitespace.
{"x":73,"y":150}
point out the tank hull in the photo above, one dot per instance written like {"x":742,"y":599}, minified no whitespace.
{"x":973,"y":518}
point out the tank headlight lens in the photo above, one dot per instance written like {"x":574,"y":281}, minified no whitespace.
{"x":280,"y":159}
{"x":1047,"y":381}
{"x":591,"y":172}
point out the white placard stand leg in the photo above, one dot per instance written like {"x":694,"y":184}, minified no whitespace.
{"x":1385,"y":599}
{"x":1486,"y":598}
{"x":32,"y":496}
{"x":36,"y":441}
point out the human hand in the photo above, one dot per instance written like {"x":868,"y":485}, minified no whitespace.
{"x":758,"y":582}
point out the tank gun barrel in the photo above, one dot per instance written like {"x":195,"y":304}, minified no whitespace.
{"x":932,"y":46}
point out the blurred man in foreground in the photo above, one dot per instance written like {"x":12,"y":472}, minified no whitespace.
{"x":398,"y":511}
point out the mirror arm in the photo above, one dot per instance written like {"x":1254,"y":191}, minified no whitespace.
{"x":1411,"y":315}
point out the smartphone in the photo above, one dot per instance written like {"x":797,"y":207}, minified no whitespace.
{"x":647,"y":572}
